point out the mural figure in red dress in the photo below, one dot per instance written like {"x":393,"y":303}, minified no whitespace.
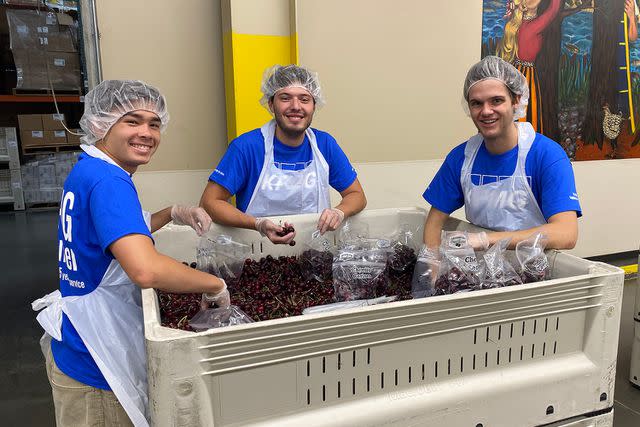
{"x":521,"y":43}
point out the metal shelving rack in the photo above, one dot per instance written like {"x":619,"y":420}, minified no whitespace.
{"x":10,"y":177}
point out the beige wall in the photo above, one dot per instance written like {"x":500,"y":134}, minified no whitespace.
{"x":392,"y":73}
{"x":177,"y":47}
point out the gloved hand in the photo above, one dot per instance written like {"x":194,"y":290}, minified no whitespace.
{"x":478,"y":241}
{"x":268,"y":229}
{"x":330,"y":219}
{"x":193,"y":216}
{"x":425,"y":272}
{"x":222,"y":299}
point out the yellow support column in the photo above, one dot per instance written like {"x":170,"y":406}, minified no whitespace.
{"x":256,"y":34}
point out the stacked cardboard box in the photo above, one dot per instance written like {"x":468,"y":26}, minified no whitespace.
{"x":9,"y":151}
{"x":44,"y":50}
{"x":43,"y":130}
{"x":43,"y":178}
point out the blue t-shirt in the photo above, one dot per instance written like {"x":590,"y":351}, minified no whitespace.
{"x":240,"y":167}
{"x":547,"y":166}
{"x":99,"y":206}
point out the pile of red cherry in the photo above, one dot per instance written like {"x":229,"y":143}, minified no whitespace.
{"x":276,"y":287}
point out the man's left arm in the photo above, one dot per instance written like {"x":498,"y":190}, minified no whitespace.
{"x":160,"y":219}
{"x":193,"y":216}
{"x":561,"y":231}
{"x":353,"y":201}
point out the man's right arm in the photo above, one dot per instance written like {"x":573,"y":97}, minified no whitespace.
{"x":148,"y":268}
{"x":215,"y":200}
{"x":433,"y":227}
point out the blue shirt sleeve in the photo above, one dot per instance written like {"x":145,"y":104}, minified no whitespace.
{"x":116,"y":211}
{"x":341,"y":173}
{"x":232,"y":170}
{"x":445,"y":191}
{"x":558,"y":188}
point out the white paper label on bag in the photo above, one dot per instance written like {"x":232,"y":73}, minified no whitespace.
{"x":59,"y":133}
{"x":22,"y":29}
{"x":51,"y":18}
{"x":37,"y":134}
{"x":58,"y":117}
{"x":58,"y":62}
{"x":16,"y":185}
{"x":12,"y":144}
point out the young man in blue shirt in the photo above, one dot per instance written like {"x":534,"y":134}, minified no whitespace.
{"x":508,"y":178}
{"x":96,"y":362}
{"x":285,"y":167}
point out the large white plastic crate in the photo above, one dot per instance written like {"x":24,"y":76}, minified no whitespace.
{"x":520,"y":356}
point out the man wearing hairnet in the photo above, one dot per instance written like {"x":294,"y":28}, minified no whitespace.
{"x":285,"y":167}
{"x":508,"y":177}
{"x":96,"y":361}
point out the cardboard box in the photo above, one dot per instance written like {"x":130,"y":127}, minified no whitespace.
{"x":60,"y":41}
{"x":30,"y":29}
{"x":55,"y":137}
{"x":30,"y":122}
{"x":64,"y":70}
{"x":34,"y":69}
{"x":31,"y":69}
{"x":24,"y":2}
{"x":74,"y":139}
{"x":52,"y":121}
{"x":31,"y":138}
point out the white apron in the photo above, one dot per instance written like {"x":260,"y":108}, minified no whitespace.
{"x":110,"y":323}
{"x":505,"y":205}
{"x":287,"y":192}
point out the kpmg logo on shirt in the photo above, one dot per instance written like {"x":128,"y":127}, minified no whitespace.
{"x":290,"y":182}
{"x":66,"y":254}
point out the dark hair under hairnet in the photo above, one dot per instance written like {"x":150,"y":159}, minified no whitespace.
{"x":105,"y":104}
{"x":279,"y":77}
{"x":495,"y":68}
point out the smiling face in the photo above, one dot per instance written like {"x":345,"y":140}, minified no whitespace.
{"x":133,"y":139}
{"x":293,"y":109}
{"x":492,"y":109}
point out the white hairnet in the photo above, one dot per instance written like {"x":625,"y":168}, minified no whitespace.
{"x":105,"y":104}
{"x":279,"y":77}
{"x":495,"y":68}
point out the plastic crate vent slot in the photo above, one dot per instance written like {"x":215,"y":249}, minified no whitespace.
{"x":504,"y":355}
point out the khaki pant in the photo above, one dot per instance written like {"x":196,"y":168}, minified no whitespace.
{"x":80,"y":405}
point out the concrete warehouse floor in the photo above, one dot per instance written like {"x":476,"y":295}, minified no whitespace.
{"x":28,"y":250}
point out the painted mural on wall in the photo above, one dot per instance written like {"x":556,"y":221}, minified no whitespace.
{"x":582,"y":61}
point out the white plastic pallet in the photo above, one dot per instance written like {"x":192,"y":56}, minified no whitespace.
{"x":520,"y":356}
{"x":634,"y":371}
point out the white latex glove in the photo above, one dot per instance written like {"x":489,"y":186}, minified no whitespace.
{"x":425,"y":273}
{"x":479,"y":241}
{"x":267,"y":228}
{"x":222,"y":299}
{"x":330,"y":219}
{"x":193,"y":216}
